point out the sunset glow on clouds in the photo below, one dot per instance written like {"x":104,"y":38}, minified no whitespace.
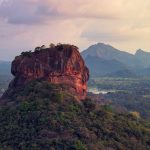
{"x":25,"y":24}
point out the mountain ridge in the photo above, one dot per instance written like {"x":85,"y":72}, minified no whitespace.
{"x":135,"y":63}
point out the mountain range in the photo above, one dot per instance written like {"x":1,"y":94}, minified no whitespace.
{"x":105,"y":60}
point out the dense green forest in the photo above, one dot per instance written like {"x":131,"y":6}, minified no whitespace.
{"x":35,"y":118}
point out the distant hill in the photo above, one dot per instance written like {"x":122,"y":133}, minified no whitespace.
{"x":143,"y":57}
{"x":5,"y":67}
{"x":105,"y":60}
{"x":102,"y":67}
{"x":143,"y":72}
{"x":5,"y":75}
{"x":124,"y":73}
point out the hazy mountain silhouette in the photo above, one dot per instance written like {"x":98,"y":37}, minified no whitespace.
{"x":102,"y":67}
{"x":143,"y":57}
{"x":5,"y":67}
{"x":105,"y":60}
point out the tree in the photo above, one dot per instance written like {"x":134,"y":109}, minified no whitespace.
{"x":27,"y":54}
{"x":43,"y":47}
{"x":52,"y":45}
{"x":37,"y":49}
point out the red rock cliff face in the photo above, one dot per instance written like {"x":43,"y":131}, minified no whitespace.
{"x":61,"y":64}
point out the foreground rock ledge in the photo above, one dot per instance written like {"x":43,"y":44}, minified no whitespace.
{"x":61,"y":64}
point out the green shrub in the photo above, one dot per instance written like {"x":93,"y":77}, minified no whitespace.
{"x":26,"y":54}
{"x":58,"y":97}
{"x":80,"y":146}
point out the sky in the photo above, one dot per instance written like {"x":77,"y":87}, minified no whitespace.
{"x":25,"y":24}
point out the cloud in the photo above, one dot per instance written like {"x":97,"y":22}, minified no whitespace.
{"x":20,"y":12}
{"x":109,"y":36}
{"x":25,"y":24}
{"x":37,"y":11}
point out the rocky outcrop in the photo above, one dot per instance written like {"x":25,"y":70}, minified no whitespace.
{"x":61,"y":64}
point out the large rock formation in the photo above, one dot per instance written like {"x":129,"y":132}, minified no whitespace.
{"x":61,"y":64}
